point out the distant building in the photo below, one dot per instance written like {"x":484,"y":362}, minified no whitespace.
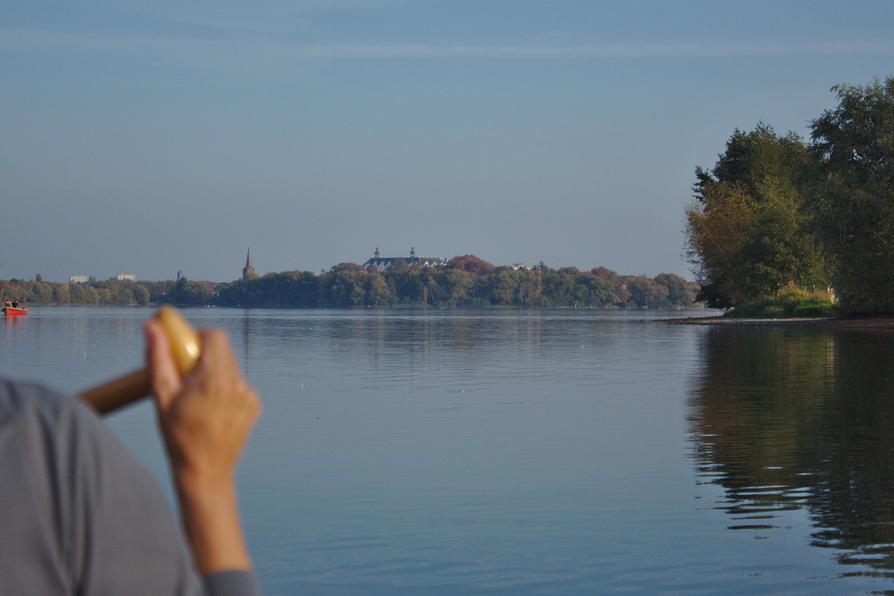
{"x":248,"y":272}
{"x":385,"y":263}
{"x":126,"y":277}
{"x":78,"y":279}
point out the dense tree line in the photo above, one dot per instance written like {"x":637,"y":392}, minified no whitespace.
{"x":110,"y":292}
{"x":465,"y":281}
{"x":776,"y":212}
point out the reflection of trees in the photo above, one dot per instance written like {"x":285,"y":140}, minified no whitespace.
{"x":788,"y":419}
{"x":390,"y":346}
{"x":374,"y":334}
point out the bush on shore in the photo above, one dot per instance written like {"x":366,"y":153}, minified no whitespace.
{"x":790,"y":302}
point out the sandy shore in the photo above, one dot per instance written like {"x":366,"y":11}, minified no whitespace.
{"x":823,"y":323}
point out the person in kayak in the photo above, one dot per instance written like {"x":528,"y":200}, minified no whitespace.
{"x":81,"y":517}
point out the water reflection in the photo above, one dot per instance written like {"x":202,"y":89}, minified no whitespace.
{"x":432,"y":352}
{"x":789,"y":420}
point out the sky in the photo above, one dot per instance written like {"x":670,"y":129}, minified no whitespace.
{"x":152,"y":137}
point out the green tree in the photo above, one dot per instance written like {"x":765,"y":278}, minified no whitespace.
{"x":41,"y":292}
{"x":377,"y":291}
{"x":83,"y":294}
{"x":679,"y":291}
{"x":620,"y":295}
{"x":124,"y":297}
{"x":530,"y":288}
{"x":458,"y":285}
{"x":140,"y":294}
{"x":855,"y":196}
{"x":189,"y":293}
{"x":645,"y":292}
{"x":748,"y":229}
{"x":61,"y":294}
{"x":344,"y":285}
{"x":504,"y":286}
{"x":558,"y":286}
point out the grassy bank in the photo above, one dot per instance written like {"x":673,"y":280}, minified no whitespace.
{"x":790,"y":303}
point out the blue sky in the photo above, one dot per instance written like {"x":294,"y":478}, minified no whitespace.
{"x":165,"y":136}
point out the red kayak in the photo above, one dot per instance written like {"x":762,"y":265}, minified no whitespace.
{"x":11,"y":311}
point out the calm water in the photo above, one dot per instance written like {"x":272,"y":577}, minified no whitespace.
{"x":534,"y":452}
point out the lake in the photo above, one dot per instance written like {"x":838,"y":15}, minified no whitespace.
{"x":532,"y":452}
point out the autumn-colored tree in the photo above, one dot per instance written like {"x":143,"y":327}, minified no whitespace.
{"x":472,"y":264}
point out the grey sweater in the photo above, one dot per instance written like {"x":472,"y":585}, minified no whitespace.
{"x":79,"y":516}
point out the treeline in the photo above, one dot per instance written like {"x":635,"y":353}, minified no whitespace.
{"x":108,"y":293}
{"x":465,"y":281}
{"x":102,"y":292}
{"x":776,"y":213}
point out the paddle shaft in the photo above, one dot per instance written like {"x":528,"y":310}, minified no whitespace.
{"x":118,"y":393}
{"x":185,"y":347}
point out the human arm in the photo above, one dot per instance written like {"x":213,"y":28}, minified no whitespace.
{"x":205,"y":419}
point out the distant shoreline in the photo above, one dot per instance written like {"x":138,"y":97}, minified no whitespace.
{"x":464,"y":281}
{"x":401,"y":306}
{"x":879,"y":322}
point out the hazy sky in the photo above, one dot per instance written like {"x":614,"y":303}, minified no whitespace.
{"x":154,"y":136}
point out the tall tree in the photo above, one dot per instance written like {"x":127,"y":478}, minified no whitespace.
{"x":855,"y":198}
{"x":748,"y":229}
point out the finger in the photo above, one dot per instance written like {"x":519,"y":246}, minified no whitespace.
{"x":160,"y":362}
{"x":217,"y":357}
{"x":215,"y":343}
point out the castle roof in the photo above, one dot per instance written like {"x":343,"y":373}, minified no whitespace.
{"x":412,"y":261}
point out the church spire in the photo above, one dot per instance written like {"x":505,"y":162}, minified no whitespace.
{"x":248,"y":272}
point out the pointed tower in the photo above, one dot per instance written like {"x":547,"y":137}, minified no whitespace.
{"x":248,"y":272}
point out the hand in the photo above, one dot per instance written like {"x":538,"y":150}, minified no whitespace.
{"x":205,"y":419}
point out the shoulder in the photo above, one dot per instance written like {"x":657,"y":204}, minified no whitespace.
{"x":32,"y":492}
{"x":44,"y":424}
{"x":49,"y":424}
{"x":23,"y":399}
{"x":103,"y":521}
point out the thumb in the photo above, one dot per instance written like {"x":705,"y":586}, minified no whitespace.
{"x":162,"y":370}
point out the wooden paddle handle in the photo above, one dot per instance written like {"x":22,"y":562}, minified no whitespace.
{"x":185,"y":348}
{"x":119,"y":392}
